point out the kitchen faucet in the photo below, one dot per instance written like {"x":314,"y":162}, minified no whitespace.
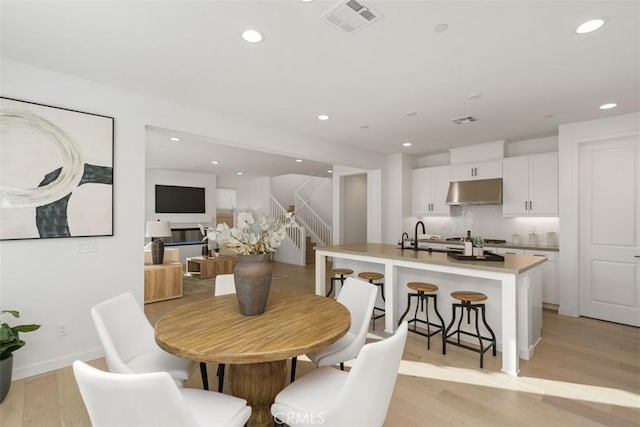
{"x":402,"y":239}
{"x":415,"y":234}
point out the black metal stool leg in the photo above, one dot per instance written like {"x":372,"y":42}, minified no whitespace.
{"x":407,"y":310}
{"x":220,"y":377}
{"x":460,"y":321}
{"x":330,"y":286}
{"x":294,"y":362}
{"x":373,"y":314}
{"x":205,"y":378}
{"x":493,"y":336}
{"x":442,"y":327}
{"x":425,"y":298}
{"x":479,"y":336}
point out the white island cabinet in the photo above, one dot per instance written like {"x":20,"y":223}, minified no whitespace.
{"x":513,"y":288}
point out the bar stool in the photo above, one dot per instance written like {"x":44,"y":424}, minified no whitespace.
{"x":470,"y":300}
{"x":371,"y":276}
{"x":424,"y":291}
{"x":338,"y":272}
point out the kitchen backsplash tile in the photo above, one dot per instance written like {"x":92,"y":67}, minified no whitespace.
{"x":486,"y":221}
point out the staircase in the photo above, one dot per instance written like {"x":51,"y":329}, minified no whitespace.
{"x":319,"y":230}
{"x":293,"y":249}
{"x":308,"y":230}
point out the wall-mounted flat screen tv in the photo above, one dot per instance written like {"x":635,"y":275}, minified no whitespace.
{"x":175,"y":199}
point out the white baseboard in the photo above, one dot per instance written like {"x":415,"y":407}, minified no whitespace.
{"x":53,"y":364}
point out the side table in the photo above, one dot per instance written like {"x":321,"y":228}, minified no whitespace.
{"x":162,"y":282}
{"x":211,"y":266}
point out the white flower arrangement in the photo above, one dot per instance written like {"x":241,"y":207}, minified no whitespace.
{"x":250,"y":237}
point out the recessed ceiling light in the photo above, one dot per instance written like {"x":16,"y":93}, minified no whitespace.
{"x":174,"y":139}
{"x":323,"y":117}
{"x":406,"y":144}
{"x":608,"y":106}
{"x":473,"y":96}
{"x":215,"y":162}
{"x":306,"y":1}
{"x":329,"y":171}
{"x":298,"y":160}
{"x":238,"y":173}
{"x":590,"y":26}
{"x":252,"y":36}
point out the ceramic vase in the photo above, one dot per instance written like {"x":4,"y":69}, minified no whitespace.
{"x":252,"y":277}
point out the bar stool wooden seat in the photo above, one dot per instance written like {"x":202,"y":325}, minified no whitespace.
{"x":423,"y":292}
{"x":371,"y":276}
{"x":471,"y":301}
{"x":342,"y":272}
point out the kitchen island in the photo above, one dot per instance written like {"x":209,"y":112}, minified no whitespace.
{"x":514,"y":308}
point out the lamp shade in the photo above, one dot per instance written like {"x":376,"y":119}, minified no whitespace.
{"x":158,"y":229}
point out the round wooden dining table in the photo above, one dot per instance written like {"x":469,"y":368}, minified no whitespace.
{"x":255,"y":347}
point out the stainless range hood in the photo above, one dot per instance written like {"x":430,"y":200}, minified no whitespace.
{"x":476,"y":192}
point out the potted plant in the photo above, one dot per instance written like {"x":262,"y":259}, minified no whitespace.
{"x":9,"y":342}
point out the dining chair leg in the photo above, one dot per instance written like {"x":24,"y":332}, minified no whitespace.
{"x":294,"y":361}
{"x":220,"y":377}
{"x":205,"y":378}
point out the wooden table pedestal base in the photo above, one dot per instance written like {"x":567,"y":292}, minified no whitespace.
{"x":258,"y":384}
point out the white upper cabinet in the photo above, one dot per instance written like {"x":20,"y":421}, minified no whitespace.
{"x":530,"y":185}
{"x":476,"y":170}
{"x":429,"y":187}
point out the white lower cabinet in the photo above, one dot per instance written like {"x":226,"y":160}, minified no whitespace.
{"x":548,"y":269}
{"x":549,"y":276}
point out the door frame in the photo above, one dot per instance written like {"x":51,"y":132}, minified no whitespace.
{"x":571,"y":138}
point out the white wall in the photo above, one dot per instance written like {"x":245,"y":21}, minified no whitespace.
{"x":226,"y":198}
{"x":397,"y":195}
{"x":253,"y":194}
{"x":48,"y":280}
{"x":571,"y":137}
{"x":155,"y":177}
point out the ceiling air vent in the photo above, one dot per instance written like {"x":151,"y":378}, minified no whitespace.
{"x":352,"y":16}
{"x":464,"y":120}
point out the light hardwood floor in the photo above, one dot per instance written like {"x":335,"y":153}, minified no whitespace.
{"x":585,"y":372}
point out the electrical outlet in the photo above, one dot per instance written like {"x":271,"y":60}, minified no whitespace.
{"x":88,"y":246}
{"x":63,"y":329}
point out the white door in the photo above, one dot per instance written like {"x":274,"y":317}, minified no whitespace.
{"x":609,"y":233}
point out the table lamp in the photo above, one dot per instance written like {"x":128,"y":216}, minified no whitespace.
{"x":156,"y":230}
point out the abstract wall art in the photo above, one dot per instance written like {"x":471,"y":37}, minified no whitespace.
{"x":56,"y":172}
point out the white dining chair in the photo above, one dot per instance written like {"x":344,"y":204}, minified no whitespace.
{"x":128,"y":340}
{"x":224,"y":285}
{"x":359,"y":297}
{"x":360,"y":397}
{"x":153,"y":400}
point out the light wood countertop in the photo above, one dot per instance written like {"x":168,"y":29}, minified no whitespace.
{"x":512,"y":263}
